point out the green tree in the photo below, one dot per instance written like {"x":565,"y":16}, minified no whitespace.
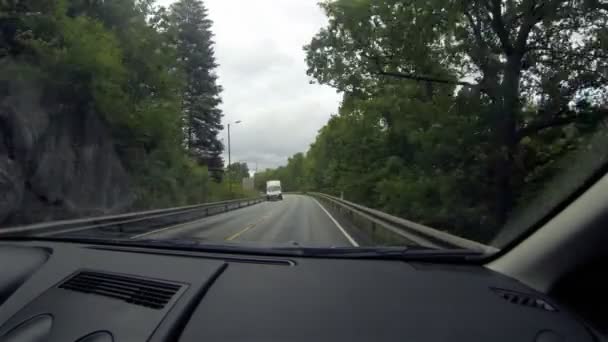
{"x":525,"y":68}
{"x":201,"y":115}
{"x":238,"y":171}
{"x":120,"y":62}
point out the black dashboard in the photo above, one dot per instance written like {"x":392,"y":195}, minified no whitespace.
{"x":54,"y":291}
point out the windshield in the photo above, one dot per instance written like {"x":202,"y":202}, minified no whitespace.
{"x":464,"y":123}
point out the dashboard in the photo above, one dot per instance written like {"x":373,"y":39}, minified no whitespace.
{"x":60,"y":291}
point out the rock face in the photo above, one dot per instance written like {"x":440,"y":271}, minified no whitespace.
{"x":55,"y":161}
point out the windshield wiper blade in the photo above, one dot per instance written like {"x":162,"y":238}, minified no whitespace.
{"x":340,"y":251}
{"x":410,"y":253}
{"x":432,"y":255}
{"x":406,"y":253}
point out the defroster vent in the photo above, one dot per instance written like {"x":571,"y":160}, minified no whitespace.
{"x":523,"y":299}
{"x":137,"y":291}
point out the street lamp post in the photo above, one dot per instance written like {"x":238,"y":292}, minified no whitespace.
{"x":229,"y":161}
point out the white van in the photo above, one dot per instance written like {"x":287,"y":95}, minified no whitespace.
{"x":273,"y":190}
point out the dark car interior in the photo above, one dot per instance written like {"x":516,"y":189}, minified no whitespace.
{"x":65,"y":291}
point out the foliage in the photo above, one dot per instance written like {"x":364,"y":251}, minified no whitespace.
{"x":140,"y":68}
{"x":454,"y":112}
{"x":238,"y":171}
{"x":201,"y":116}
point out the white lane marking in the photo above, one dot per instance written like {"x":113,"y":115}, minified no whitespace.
{"x":348,"y":237}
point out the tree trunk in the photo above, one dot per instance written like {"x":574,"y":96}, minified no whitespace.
{"x":189,"y":132}
{"x":506,"y":116}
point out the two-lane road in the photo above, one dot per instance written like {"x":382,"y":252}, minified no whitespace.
{"x":297,"y":218}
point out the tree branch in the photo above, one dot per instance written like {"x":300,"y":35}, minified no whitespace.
{"x":376,"y":60}
{"x":411,"y":76}
{"x":553,"y":53}
{"x":476,"y":27}
{"x":425,"y":78}
{"x":542,"y":124}
{"x":477,"y":33}
{"x":597,"y":4}
{"x":532,"y":17}
{"x":499,"y":26}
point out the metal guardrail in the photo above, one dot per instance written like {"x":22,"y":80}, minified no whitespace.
{"x":162,"y":216}
{"x":379,"y":226}
{"x":382,"y":227}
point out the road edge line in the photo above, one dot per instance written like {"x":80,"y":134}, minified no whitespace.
{"x":348,"y":237}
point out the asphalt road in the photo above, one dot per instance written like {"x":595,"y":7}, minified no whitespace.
{"x":297,"y":218}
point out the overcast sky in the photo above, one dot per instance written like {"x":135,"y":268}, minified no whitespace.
{"x":258,"y":46}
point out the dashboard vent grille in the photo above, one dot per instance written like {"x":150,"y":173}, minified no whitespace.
{"x":138,"y":291}
{"x":524,"y":299}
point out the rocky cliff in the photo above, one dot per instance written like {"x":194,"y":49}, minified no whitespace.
{"x":56,"y":160}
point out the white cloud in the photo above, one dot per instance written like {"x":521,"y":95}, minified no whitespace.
{"x":262,"y":69}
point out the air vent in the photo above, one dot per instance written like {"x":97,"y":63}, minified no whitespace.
{"x":138,"y":291}
{"x":524,"y":299}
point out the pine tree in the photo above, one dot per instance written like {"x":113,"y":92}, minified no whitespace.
{"x":201,"y":98}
